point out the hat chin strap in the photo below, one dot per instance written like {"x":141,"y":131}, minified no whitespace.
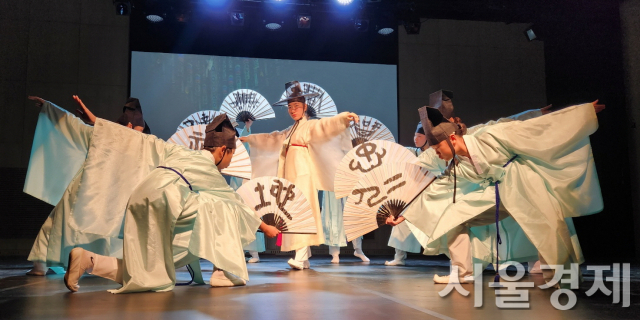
{"x":222,"y":158}
{"x":453,"y":164}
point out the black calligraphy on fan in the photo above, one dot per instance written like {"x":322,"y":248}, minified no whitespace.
{"x":375,"y":190}
{"x":368,"y":150}
{"x":281,"y":193}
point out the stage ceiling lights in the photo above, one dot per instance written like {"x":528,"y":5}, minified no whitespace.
{"x":530,"y":34}
{"x":410,"y":19}
{"x":361,"y":24}
{"x":123,"y":8}
{"x":236,"y":18}
{"x":273,"y":23}
{"x":303,"y":21}
{"x":344,"y":2}
{"x":386,"y":24}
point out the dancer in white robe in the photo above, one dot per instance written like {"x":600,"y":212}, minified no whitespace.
{"x":181,"y":226}
{"x":56,"y":237}
{"x":548,"y":175}
{"x":306,"y":154}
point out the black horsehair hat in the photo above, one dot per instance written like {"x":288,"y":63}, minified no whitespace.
{"x":220,"y":132}
{"x":293,"y":91}
{"x":436,"y":127}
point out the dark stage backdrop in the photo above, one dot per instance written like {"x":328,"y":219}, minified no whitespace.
{"x":173,"y":86}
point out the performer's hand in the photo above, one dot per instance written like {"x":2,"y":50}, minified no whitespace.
{"x":269,"y":231}
{"x":84,"y":112}
{"x":247,"y":124}
{"x":392,"y":221}
{"x":546,"y":109}
{"x":353,"y":117}
{"x":597,"y":106}
{"x":39,"y":101}
{"x":244,"y":139}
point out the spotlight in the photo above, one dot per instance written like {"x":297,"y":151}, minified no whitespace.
{"x":385,"y":31}
{"x":155,"y":18}
{"x":361,"y":25}
{"x":344,"y":2}
{"x":123,"y":8}
{"x":236,"y":18}
{"x":304,"y":21}
{"x":530,"y":34}
{"x":273,"y":26}
{"x":386,"y":23}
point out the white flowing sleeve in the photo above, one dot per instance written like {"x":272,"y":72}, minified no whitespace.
{"x":264,"y":151}
{"x":329,"y":142}
{"x":119,"y":159}
{"x":522,"y":116}
{"x":556,"y":148}
{"x":59,"y":149}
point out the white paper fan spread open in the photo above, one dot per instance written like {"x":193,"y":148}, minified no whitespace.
{"x":384,"y":191}
{"x":279,"y":203}
{"x":240,"y":165}
{"x":365,"y":158}
{"x":321,"y":106}
{"x":244,"y":104}
{"x":369,"y":129}
{"x":201,"y":117}
{"x":193,"y":138}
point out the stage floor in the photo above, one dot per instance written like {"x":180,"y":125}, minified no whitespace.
{"x":350,"y":290}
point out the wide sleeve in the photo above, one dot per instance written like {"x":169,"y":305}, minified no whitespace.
{"x":60,"y":145}
{"x":328,"y":143}
{"x":522,"y":116}
{"x":556,"y":148}
{"x":119,"y":159}
{"x":264,"y":151}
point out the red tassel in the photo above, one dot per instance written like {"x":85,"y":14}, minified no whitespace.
{"x":279,"y":240}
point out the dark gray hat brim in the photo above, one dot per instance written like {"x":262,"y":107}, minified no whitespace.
{"x":286,"y":101}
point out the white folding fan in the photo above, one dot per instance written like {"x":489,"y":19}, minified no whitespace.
{"x":244,"y":104}
{"x":364,"y":158}
{"x":368,"y":129}
{"x":383,"y":192}
{"x":322,"y":106}
{"x":201,"y":117}
{"x":279,"y":203}
{"x":240,"y":165}
{"x":193,"y":138}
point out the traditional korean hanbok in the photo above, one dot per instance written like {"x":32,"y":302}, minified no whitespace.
{"x":259,"y":244}
{"x":306,"y":154}
{"x":545,"y":171}
{"x":173,"y":216}
{"x":427,"y":209}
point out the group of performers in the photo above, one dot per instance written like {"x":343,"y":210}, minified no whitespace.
{"x":132,"y":208}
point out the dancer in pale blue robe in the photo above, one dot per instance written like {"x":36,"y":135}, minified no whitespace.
{"x":210,"y":222}
{"x":516,"y":248}
{"x":55,"y":240}
{"x":333,"y":227}
{"x":552,"y":178}
{"x":257,"y":246}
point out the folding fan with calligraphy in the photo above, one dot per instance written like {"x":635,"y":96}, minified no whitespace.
{"x":193,"y":138}
{"x":369,"y":129}
{"x":383,"y":192}
{"x":245,"y":104}
{"x":320,"y":106}
{"x":201,"y":117}
{"x":279,"y":203}
{"x":364,"y":158}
